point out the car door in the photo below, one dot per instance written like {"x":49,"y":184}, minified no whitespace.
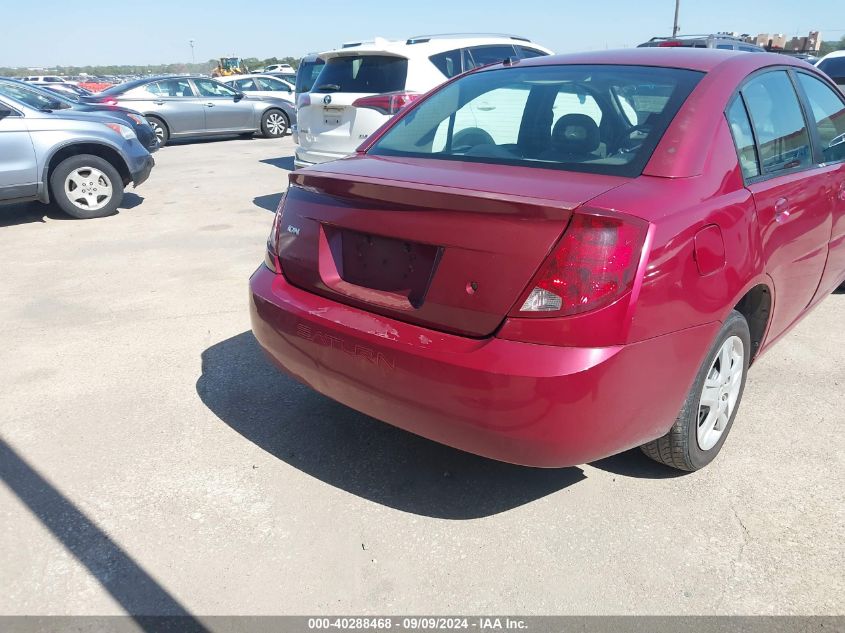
{"x":791,"y":195}
{"x":225,"y":108}
{"x":18,"y":167}
{"x":826,"y":106}
{"x":175,"y":101}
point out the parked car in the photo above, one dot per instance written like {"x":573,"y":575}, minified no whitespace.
{"x":278,"y":68}
{"x":45,"y":79}
{"x":67,"y":90}
{"x":40,"y":98}
{"x":260,"y":85}
{"x":178,"y":107}
{"x":593,"y":279}
{"x":833,"y":64}
{"x":309,"y":68}
{"x":363,"y":84}
{"x":718,"y":40}
{"x":81,"y":160}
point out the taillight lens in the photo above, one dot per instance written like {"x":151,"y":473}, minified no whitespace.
{"x":271,"y":255}
{"x":303,"y":100}
{"x":593,"y":264}
{"x":110,"y":101}
{"x":670,"y":44}
{"x":387,"y":103}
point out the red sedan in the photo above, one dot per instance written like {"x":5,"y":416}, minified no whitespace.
{"x":553,"y":260}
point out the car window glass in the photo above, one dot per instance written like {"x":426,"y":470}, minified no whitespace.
{"x":493,"y":117}
{"x":209,"y":88}
{"x":743,"y":138}
{"x":829,"y":114}
{"x":363,"y":73}
{"x":834,"y":67}
{"x":244,"y":85}
{"x":482,"y":55}
{"x":33,"y":98}
{"x":530,"y":52}
{"x":307,"y":73}
{"x":172,"y":88}
{"x":507,"y":116}
{"x":269,"y":83}
{"x":725,"y":46}
{"x":448,"y":62}
{"x":778,"y":122}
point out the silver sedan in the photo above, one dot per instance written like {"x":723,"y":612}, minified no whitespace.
{"x":178,"y":107}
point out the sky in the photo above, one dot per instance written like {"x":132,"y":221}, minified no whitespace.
{"x":158,"y":31}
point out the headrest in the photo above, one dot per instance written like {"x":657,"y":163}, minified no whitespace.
{"x":575,"y":134}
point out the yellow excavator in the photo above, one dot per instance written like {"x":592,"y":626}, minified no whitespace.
{"x":228,"y":66}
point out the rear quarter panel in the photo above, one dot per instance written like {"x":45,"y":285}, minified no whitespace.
{"x":675,"y":294}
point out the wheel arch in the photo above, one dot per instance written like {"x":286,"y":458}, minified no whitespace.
{"x":107,"y":153}
{"x":756,"y":306}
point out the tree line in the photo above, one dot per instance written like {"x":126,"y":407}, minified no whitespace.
{"x":148,"y":69}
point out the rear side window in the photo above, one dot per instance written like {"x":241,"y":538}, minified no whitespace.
{"x":835,"y":68}
{"x":530,"y":52}
{"x":743,"y":138}
{"x":829,"y":113}
{"x":483,"y":55}
{"x":778,"y":122}
{"x":363,"y":73}
{"x":271,"y":83}
{"x":172,"y":88}
{"x":244,"y":85}
{"x":450,"y":63}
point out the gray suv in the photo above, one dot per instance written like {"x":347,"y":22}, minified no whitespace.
{"x":198,"y":106}
{"x":81,"y":160}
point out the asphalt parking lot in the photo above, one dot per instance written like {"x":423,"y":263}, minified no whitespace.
{"x":154,"y":462}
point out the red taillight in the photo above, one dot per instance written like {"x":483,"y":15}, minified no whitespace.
{"x":271,"y":256}
{"x":110,"y":101}
{"x":670,"y":44}
{"x":593,"y":264}
{"x":387,"y":103}
{"x":303,"y":100}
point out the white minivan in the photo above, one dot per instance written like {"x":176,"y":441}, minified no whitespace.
{"x":363,"y":84}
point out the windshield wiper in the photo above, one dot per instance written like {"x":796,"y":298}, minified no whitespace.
{"x":326,"y":87}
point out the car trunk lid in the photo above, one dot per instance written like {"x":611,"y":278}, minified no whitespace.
{"x":443,"y":244}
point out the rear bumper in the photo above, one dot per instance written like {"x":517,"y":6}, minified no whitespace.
{"x":528,"y":404}
{"x":306,"y":158}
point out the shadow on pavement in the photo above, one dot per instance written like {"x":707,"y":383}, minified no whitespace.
{"x":285,"y":162}
{"x":356,"y":453}
{"x":268,"y":202}
{"x":125,"y":580}
{"x":634,"y":463}
{"x":30,"y":212}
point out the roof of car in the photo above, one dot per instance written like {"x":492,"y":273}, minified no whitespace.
{"x":833,"y":54}
{"x":701,"y":59}
{"x":428,"y":45}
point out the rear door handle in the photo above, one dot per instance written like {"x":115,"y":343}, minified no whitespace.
{"x":209,"y":105}
{"x":158,"y":102}
{"x":781,"y":210}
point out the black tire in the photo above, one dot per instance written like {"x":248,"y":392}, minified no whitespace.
{"x":274,"y":124}
{"x":82,"y":163}
{"x":160,"y":129}
{"x":680,"y":448}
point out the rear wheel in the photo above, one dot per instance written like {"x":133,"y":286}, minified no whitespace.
{"x":712,"y":403}
{"x":160,"y":129}
{"x":274,"y":124}
{"x":86,"y":186}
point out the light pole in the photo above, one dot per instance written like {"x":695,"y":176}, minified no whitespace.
{"x":193,"y":59}
{"x":675,"y":27}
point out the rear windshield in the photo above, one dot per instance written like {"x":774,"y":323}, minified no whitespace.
{"x":307,"y":73}
{"x":599,"y":119}
{"x":834,"y":67}
{"x":362,"y":73}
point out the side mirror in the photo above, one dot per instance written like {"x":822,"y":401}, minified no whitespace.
{"x":239,"y":96}
{"x":4,"y":112}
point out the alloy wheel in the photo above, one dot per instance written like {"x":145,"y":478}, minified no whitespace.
{"x":276,"y":124}
{"x":88,"y":188}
